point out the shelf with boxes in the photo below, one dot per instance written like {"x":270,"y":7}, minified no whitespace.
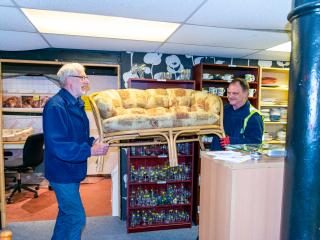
{"x":274,"y":102}
{"x":159,"y":196}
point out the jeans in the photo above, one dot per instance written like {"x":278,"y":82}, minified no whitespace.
{"x":71,"y":218}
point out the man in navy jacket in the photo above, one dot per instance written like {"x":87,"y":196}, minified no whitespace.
{"x":243,"y":124}
{"x":67,"y":148}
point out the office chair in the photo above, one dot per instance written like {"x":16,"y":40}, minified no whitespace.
{"x":31,"y":158}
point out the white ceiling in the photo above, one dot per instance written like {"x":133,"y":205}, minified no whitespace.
{"x":232,"y":28}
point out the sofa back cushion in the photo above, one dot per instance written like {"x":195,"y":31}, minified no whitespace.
{"x":133,"y":98}
{"x":157,"y":98}
{"x":179,"y":97}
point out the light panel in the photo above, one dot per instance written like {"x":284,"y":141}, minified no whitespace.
{"x":284,"y":47}
{"x":80,"y":24}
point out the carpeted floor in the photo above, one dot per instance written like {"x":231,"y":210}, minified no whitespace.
{"x":98,"y":228}
{"x":95,"y":193}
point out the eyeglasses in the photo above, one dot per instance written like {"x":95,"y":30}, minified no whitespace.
{"x":83,"y":78}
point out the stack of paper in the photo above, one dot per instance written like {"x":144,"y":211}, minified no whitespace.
{"x":230,"y":156}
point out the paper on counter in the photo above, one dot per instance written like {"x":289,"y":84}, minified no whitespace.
{"x":230,"y":156}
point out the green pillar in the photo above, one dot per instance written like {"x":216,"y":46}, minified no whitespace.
{"x":301,"y":196}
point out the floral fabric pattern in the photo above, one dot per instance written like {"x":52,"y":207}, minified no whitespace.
{"x":133,"y":109}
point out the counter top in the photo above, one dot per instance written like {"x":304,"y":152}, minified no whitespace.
{"x":265,"y":162}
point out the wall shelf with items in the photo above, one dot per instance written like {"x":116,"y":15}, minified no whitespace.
{"x":22,"y":110}
{"x":275,"y":123}
{"x":159,"y":197}
{"x":273,"y":103}
{"x":215,"y":78}
{"x":274,"y":88}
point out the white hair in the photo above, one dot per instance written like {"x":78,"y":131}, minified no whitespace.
{"x":69,"y":69}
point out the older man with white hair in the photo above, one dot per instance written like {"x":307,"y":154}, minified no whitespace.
{"x":67,"y":148}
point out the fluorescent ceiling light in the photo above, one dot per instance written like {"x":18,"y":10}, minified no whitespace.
{"x":284,"y":47}
{"x":89,"y":25}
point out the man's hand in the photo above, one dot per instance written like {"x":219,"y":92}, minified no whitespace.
{"x":224,"y":141}
{"x":99,"y":148}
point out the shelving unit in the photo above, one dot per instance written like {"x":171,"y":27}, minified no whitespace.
{"x":27,"y":78}
{"x":145,"y":160}
{"x":204,"y":84}
{"x":274,"y":98}
{"x":159,"y":197}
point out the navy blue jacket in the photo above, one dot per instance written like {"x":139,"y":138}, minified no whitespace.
{"x":233,"y":123}
{"x":66,"y":136}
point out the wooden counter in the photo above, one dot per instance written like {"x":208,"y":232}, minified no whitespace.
{"x":240,"y":201}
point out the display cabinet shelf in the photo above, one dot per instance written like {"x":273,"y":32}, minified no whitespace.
{"x":160,"y":206}
{"x":276,"y":142}
{"x":223,"y":81}
{"x":156,"y":157}
{"x":274,"y":88}
{"x":250,"y":98}
{"x":156,"y":227}
{"x":28,"y":94}
{"x":23,"y":110}
{"x":160,"y":182}
{"x":273,"y":105}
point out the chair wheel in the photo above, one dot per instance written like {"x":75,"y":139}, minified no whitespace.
{"x":37,"y":187}
{"x":36,"y":195}
{"x":9,"y":200}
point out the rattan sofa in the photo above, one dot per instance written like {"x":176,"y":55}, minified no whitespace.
{"x":135,"y":117}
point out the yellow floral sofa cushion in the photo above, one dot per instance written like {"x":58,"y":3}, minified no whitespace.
{"x":134,"y":109}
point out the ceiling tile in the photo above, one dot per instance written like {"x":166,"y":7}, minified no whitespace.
{"x":195,"y":50}
{"x":165,"y":10}
{"x":78,"y":42}
{"x":270,"y":55}
{"x":13,"y":19}
{"x":20,"y":41}
{"x":6,"y":3}
{"x":225,"y":37}
{"x":253,"y":14}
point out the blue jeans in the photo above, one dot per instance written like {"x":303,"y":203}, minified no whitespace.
{"x":71,"y":218}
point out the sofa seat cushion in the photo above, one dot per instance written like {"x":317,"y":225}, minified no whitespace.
{"x":126,"y":122}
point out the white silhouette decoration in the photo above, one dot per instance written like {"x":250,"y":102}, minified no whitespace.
{"x":174,"y":65}
{"x":153,"y":59}
{"x":195,"y":61}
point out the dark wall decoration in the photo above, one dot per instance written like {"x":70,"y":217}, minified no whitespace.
{"x":152,"y":65}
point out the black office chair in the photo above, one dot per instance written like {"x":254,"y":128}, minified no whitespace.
{"x":32,"y":157}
